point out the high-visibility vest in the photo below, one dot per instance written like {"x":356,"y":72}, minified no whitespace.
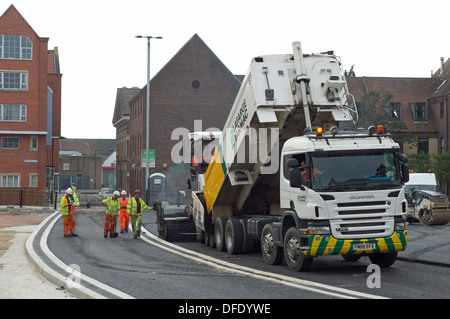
{"x":64,"y":208}
{"x":132,"y":206}
{"x":113,"y":206}
{"x":76,"y":201}
{"x":123,"y":202}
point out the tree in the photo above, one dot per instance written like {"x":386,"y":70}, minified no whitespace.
{"x":420,"y":163}
{"x":441,"y":166}
{"x":378,"y":109}
{"x":351,"y":72}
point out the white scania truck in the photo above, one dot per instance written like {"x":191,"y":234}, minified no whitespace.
{"x":283,"y":173}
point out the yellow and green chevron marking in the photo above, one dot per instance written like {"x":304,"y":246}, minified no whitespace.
{"x":214,"y":177}
{"x":324,"y":245}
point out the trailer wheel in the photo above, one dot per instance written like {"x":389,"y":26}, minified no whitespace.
{"x":292,"y":252}
{"x":234,"y":237}
{"x":383,"y":260}
{"x":219,"y":232}
{"x":271,"y":254}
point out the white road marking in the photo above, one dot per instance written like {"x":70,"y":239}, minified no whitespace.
{"x":312,"y":286}
{"x":61,"y":279}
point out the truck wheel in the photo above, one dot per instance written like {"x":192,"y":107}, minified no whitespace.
{"x":219,"y":233}
{"x":293,"y":254}
{"x":271,"y":254}
{"x":212,"y":243}
{"x":234,"y":237}
{"x":200,"y":235}
{"x":383,"y":260}
{"x":249,"y":242}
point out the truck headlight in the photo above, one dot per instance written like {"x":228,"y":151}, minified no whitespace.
{"x":320,"y":230}
{"x":401,"y":226}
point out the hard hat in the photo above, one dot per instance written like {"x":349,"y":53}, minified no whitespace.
{"x":69,"y":191}
{"x":123,"y":192}
{"x":137,"y":192}
{"x":116,"y":193}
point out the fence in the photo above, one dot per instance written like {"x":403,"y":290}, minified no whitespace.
{"x":26,"y":196}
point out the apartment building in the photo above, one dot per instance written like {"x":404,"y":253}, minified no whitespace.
{"x":30,"y":105}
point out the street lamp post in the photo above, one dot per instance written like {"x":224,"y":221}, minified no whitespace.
{"x":147,"y":162}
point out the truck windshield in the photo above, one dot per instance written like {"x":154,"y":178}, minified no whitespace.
{"x":354,"y":171}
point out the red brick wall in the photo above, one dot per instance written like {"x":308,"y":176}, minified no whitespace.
{"x":12,"y":22}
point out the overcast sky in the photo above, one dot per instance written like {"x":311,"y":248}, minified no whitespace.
{"x":99,"y":52}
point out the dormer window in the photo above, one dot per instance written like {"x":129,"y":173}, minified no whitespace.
{"x":15,"y":47}
{"x":419,"y":111}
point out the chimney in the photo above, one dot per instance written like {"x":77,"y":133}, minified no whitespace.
{"x":441,"y":70}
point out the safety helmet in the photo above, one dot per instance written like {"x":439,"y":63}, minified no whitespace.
{"x":116,"y":193}
{"x":69,"y":191}
{"x":123,"y":192}
{"x":137,"y":192}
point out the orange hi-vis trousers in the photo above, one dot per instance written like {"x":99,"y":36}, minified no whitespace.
{"x":110,"y":225}
{"x":69,"y":223}
{"x":124,"y":219}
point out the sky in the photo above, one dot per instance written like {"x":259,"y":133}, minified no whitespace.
{"x":99,"y":51}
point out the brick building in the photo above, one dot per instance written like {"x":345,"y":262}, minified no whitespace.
{"x":439,"y":105}
{"x":422,"y":104}
{"x":30,"y":105}
{"x":121,"y":121}
{"x":193,"y":85}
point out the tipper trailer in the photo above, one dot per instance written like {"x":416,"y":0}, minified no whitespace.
{"x":283,"y":173}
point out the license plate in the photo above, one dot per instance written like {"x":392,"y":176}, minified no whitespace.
{"x":364,"y":246}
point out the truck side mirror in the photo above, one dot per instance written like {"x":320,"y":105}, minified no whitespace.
{"x":405,"y":173}
{"x":295,"y":178}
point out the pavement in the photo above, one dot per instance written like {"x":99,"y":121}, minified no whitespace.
{"x":21,"y":278}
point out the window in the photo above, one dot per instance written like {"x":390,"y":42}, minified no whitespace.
{"x":13,"y":113}
{"x":14,"y":81}
{"x":15,"y":47}
{"x":395,"y":110}
{"x":10,"y":143}
{"x":422,"y":145}
{"x":442,"y":145}
{"x":33,"y":180}
{"x":442,"y":110}
{"x":195,"y":84}
{"x":66,"y":166}
{"x":10,"y":181}
{"x":34,"y":144}
{"x":419,"y":111}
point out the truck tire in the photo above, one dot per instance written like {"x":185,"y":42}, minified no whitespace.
{"x":271,"y":254}
{"x":383,"y":260}
{"x":211,"y":242}
{"x":219,"y":233}
{"x":249,"y":242}
{"x":234,"y":237}
{"x":292,"y":252}
{"x":200,"y":235}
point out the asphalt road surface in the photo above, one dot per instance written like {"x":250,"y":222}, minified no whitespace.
{"x":147,"y":268}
